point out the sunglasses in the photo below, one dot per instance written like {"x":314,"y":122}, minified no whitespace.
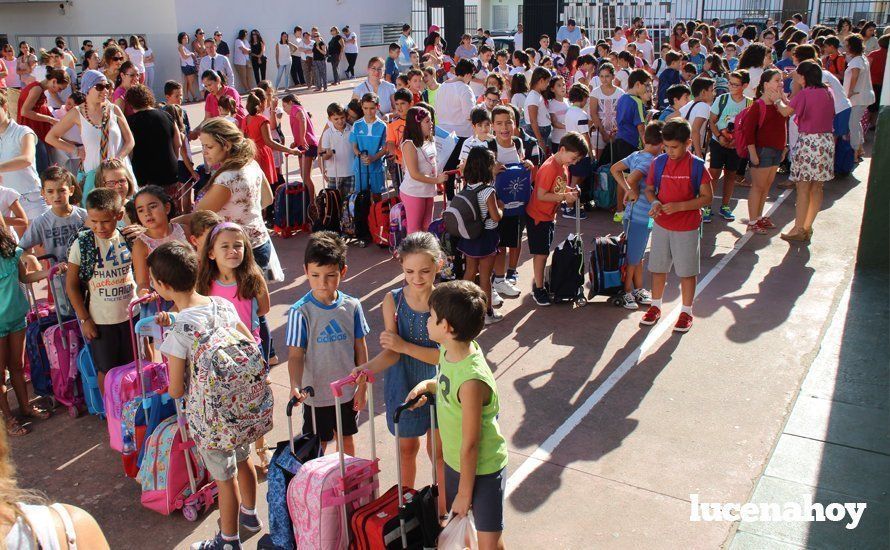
{"x":131,"y":75}
{"x":102,"y":86}
{"x":117,"y":58}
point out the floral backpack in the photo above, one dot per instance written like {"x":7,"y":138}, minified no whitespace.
{"x":228,"y":402}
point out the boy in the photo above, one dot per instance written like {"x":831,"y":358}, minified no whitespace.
{"x":402,"y":82}
{"x":490,"y":99}
{"x":661,"y":64}
{"x":367,"y":138}
{"x":688,"y":73}
{"x":577,"y":119}
{"x":724,"y":159}
{"x":477,"y":83}
{"x":676,"y":198}
{"x":834,"y":62}
{"x":174,"y":273}
{"x":636,"y":215}
{"x":670,"y":76}
{"x":550,"y":189}
{"x":200,"y":225}
{"x":696,"y":57}
{"x":544,"y":49}
{"x":173,"y":96}
{"x":54,"y":229}
{"x":630,"y":115}
{"x":415,"y":85}
{"x":99,"y":267}
{"x":431,"y":85}
{"x":731,"y":51}
{"x":474,"y":451}
{"x":326,"y":332}
{"x":678,"y":97}
{"x":335,"y":145}
{"x":619,"y":40}
{"x":626,"y":63}
{"x":698,"y":112}
{"x":391,"y":70}
{"x":586,"y":73}
{"x":481,"y":121}
{"x":395,"y":130}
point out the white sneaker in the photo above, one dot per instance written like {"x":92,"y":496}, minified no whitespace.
{"x":626,"y":300}
{"x":493,"y":318}
{"x":642,"y":296}
{"x":496,"y":299}
{"x":504,"y":288}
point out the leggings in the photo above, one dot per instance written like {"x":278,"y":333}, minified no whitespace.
{"x":350,"y":68}
{"x":418,"y":211}
{"x":296,"y":70}
{"x":259,"y":69}
{"x":856,"y":137}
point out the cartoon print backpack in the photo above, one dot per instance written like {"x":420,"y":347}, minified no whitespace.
{"x":398,"y":226}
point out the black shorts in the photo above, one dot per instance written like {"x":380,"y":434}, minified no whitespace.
{"x":510,"y":230}
{"x":488,"y":498}
{"x":723,"y":158}
{"x":617,"y":150}
{"x":112,"y":348}
{"x":540,"y":236}
{"x":326,"y":420}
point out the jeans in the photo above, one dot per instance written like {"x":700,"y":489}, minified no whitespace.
{"x":283,"y":74}
{"x":350,"y":68}
{"x":261,"y":256}
{"x":335,"y":64}
{"x":321,"y":74}
{"x":296,"y":70}
{"x":41,"y":155}
{"x":149,"y":76}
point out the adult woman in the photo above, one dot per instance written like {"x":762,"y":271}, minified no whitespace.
{"x":857,"y":86}
{"x":420,"y":181}
{"x":18,"y":163}
{"x":25,"y":63}
{"x":812,"y":163}
{"x":283,"y":49}
{"x":127,"y":78}
{"x":198,"y":46}
{"x":351,"y":50}
{"x":375,"y":84}
{"x":13,"y":84}
{"x":319,"y":69}
{"x":844,"y":29}
{"x":104,"y":131}
{"x":335,"y":52}
{"x":678,"y":36}
{"x":189,"y":69}
{"x":216,"y":88}
{"x":257,"y":127}
{"x":91,"y":61}
{"x":149,"y":60}
{"x":136,"y":56}
{"x":869,"y":37}
{"x":240,"y":58}
{"x":258,"y":55}
{"x":34,"y":112}
{"x":767,"y":147}
{"x":156,"y":140}
{"x":754,"y":59}
{"x":112,"y":59}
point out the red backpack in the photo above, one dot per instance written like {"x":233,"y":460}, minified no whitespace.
{"x":742,"y":122}
{"x":378,"y":221}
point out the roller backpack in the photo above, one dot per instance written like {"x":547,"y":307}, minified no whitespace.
{"x":607,"y":261}
{"x":293,"y":209}
{"x":378,"y":221}
{"x":398,"y":226}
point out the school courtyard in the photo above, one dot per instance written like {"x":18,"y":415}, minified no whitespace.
{"x":778,"y":396}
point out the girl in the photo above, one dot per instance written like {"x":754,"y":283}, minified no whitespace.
{"x":273,"y":113}
{"x":521,"y":65}
{"x":603,"y":108}
{"x":154,"y":210}
{"x":127,"y":78}
{"x":858,"y":87}
{"x":518,"y":94}
{"x":282,"y":59}
{"x":813,"y":161}
{"x":494,"y":80}
{"x":767,"y":147}
{"x":555,"y":94}
{"x":228,"y":270}
{"x":13,"y":308}
{"x":406,"y":311}
{"x":304,"y":137}
{"x":715,"y":68}
{"x":227,"y":109}
{"x":418,"y":188}
{"x":481,"y":252}
{"x":755,"y":59}
{"x":537,"y":118}
{"x":115,"y":174}
{"x":136,"y":56}
{"x":149,"y":59}
{"x":257,"y":127}
{"x":189,"y":69}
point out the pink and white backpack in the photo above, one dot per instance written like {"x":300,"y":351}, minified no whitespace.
{"x":163,"y":475}
{"x":398,"y":226}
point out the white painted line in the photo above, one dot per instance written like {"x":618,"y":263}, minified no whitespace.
{"x":544,"y":453}
{"x":76,"y":458}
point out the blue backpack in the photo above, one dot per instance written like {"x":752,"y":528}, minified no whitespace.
{"x":698,"y":172}
{"x":514,"y":188}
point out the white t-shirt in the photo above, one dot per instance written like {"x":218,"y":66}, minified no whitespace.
{"x":699,"y":109}
{"x":282,"y":52}
{"x":623,"y":76}
{"x":558,"y":110}
{"x":618,"y":44}
{"x":517,"y":41}
{"x":647,"y":50}
{"x":426,"y":163}
{"x":469,"y":143}
{"x":25,"y":180}
{"x":589,"y":50}
{"x":454,"y":101}
{"x":178,"y":342}
{"x":7,"y":197}
{"x":518,"y":101}
{"x":238,"y":55}
{"x":534,"y":98}
{"x":478,"y":89}
{"x":801,"y":26}
{"x":607,"y":106}
{"x":841,"y":102}
{"x":577,"y":120}
{"x":754,"y":73}
{"x":508,"y":155}
{"x":350,"y":47}
{"x":112,"y":287}
{"x":863,"y":94}
{"x":340,"y":165}
{"x":137,"y":58}
{"x":149,"y":53}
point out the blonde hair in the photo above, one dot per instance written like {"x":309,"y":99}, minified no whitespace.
{"x":242,"y":150}
{"x":115,"y":164}
{"x":10,"y":493}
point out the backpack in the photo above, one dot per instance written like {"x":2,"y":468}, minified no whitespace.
{"x":293,"y":209}
{"x":741,"y":124}
{"x":514,"y":188}
{"x":698,"y":172}
{"x":565,"y":277}
{"x":463,"y":217}
{"x":378,"y":222}
{"x":453,"y":266}
{"x":328,"y":203}
{"x":607,"y":261}
{"x":398,"y":226}
{"x":723,"y":102}
{"x":604,"y":188}
{"x":228,"y":402}
{"x":705,"y":140}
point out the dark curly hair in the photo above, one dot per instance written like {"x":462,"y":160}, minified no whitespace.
{"x":140,"y":97}
{"x":7,"y":243}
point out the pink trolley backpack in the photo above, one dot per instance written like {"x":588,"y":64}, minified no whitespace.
{"x":63,"y":342}
{"x":325,"y":491}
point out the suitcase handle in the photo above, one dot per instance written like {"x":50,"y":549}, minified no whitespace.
{"x":137,"y":329}
{"x":290,"y":423}
{"x":431,"y":400}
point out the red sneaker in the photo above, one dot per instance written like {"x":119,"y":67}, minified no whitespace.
{"x":684,"y":323}
{"x":653,"y":314}
{"x":767,"y":223}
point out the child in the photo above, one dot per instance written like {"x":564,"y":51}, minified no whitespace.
{"x":475,"y":457}
{"x":227,"y":109}
{"x":336,"y":152}
{"x":630,"y":116}
{"x":626,"y":64}
{"x":670,"y":76}
{"x":402,"y":82}
{"x":619,"y":40}
{"x":415,"y":85}
{"x":661,"y":64}
{"x":406,"y":314}
{"x":518,"y":94}
{"x":577,"y":119}
{"x":480,"y":118}
{"x":100,"y":268}
{"x":689,"y":73}
{"x":304,"y":137}
{"x":200,"y":224}
{"x":154,"y":210}
{"x":14,"y":308}
{"x":636,"y":215}
{"x":173,"y":96}
{"x":696,"y":57}
{"x":326,"y":332}
{"x":395,"y":131}
{"x":834,"y":61}
{"x":555,"y":94}
{"x":431,"y":86}
{"x":480,"y":253}
{"x":391,"y":70}
{"x":551,"y":188}
{"x":603,"y":105}
{"x":174,"y":272}
{"x":676,"y":200}
{"x":491,"y":98}
{"x":716,"y":69}
{"x":732,"y":62}
{"x":367,"y":139}
{"x":724,"y":159}
{"x":586,"y":73}
{"x":114,"y":174}
{"x":537,"y":118}
{"x":697,"y":113}
{"x":54,"y":229}
{"x":677,"y":96}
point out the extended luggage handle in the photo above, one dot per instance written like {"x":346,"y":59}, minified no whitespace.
{"x":140,"y":330}
{"x":32,"y":297}
{"x":431,"y":400}
{"x":290,"y":424}
{"x":131,"y":308}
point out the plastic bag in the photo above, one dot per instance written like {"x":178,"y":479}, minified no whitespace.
{"x":459,"y":534}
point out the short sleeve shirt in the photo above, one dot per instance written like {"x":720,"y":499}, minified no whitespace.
{"x":552,"y":177}
{"x":244,"y":207}
{"x":112,"y":287}
{"x":814,"y":110}
{"x":628,"y":117}
{"x":54,"y":233}
{"x":577,"y":120}
{"x":536,"y":99}
{"x":639,"y":161}
{"x":676,"y":186}
{"x":178,"y":342}
{"x":395,"y":132}
{"x":730,"y":111}
{"x":695,"y":110}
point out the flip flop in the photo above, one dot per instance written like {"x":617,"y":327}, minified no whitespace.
{"x":15,"y":429}
{"x":37,"y":412}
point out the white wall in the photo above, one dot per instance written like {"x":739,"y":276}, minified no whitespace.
{"x":486,"y":9}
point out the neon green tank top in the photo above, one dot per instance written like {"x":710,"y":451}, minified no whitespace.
{"x":449,"y":412}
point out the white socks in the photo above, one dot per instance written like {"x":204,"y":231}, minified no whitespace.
{"x":686,"y":309}
{"x":656,"y":303}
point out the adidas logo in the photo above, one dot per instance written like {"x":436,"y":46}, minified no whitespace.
{"x":332,"y":333}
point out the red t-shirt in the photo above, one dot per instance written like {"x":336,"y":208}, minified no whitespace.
{"x":772,"y":132}
{"x":676,"y":186}
{"x":553,"y":178}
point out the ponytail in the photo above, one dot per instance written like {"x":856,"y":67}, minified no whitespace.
{"x":256,"y":98}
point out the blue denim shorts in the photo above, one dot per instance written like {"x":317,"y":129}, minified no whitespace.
{"x":488,"y":498}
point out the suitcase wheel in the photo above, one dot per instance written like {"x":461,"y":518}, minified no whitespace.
{"x":190,"y":512}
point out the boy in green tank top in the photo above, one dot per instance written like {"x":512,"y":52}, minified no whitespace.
{"x":475,"y":452}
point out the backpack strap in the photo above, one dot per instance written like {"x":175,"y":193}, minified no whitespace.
{"x":697,"y":173}
{"x":67,"y":523}
{"x":659,"y":164}
{"x":689,"y":113}
{"x":492,"y":145}
{"x":724,"y":101}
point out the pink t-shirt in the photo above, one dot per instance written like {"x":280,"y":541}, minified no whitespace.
{"x":119,"y":93}
{"x":814,"y":110}
{"x":246,"y":308}
{"x":211,"y":105}
{"x":296,"y":127}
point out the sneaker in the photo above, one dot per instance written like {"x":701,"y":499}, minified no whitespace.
{"x":706,"y":214}
{"x":684,"y":323}
{"x":568,"y":212}
{"x":757,"y":228}
{"x":618,"y":217}
{"x":217,"y":543}
{"x":505,"y":288}
{"x":496,"y":299}
{"x":540,"y":296}
{"x":250,"y":522}
{"x":513,"y":278}
{"x":653,"y":314}
{"x":642,"y":296}
{"x":726,"y":213}
{"x":493,"y":317}
{"x":767,"y":223}
{"x":626,"y":300}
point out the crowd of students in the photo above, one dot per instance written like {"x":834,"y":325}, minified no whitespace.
{"x":668,"y":129}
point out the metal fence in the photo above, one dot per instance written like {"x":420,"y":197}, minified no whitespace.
{"x":471,"y":19}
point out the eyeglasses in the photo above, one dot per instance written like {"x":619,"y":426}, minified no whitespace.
{"x":102,"y":86}
{"x":117,"y":184}
{"x":131,"y":75}
{"x":735,"y":85}
{"x":375,"y":69}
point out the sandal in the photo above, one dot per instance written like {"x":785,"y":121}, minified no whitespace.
{"x":15,"y":429}
{"x":264,"y":457}
{"x":37,"y":412}
{"x":742,"y":182}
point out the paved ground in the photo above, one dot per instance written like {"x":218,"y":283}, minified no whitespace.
{"x":611,"y":428}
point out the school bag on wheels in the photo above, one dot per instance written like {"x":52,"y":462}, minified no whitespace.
{"x":604,"y":184}
{"x":62,"y":342}
{"x":453,"y":266}
{"x":378,"y":221}
{"x":329,"y":205}
{"x":293,"y":207}
{"x":607,"y":261}
{"x":564,"y":277}
{"x":398,"y":227}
